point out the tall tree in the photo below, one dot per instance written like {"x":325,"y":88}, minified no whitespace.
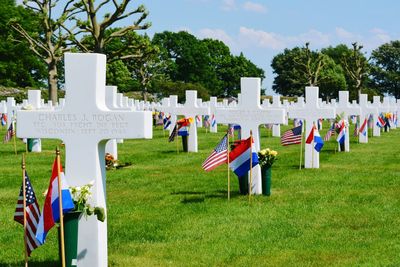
{"x":97,"y":28}
{"x":18,"y":67}
{"x":298,"y":67}
{"x":356,"y":66}
{"x":386,"y":68}
{"x":310,"y":64}
{"x":51,"y":41}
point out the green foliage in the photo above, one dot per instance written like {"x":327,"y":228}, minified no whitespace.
{"x":299,"y":67}
{"x":386,"y":68}
{"x":118,"y":74}
{"x":18,"y":66}
{"x":20,"y":94}
{"x":166,"y":211}
{"x":81,"y":196}
{"x":207,"y":62}
{"x":167,"y":88}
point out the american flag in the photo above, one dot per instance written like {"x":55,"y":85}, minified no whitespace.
{"x":10,"y":133}
{"x":32,"y":214}
{"x":218,"y":156}
{"x":292,"y":136}
{"x":330,"y":132}
{"x":173,"y":134}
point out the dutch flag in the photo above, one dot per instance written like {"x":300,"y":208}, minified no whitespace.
{"x":51,"y":210}
{"x":239,"y":157}
{"x":342,"y":133}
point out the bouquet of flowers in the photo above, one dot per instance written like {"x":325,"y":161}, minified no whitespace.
{"x":81,"y":196}
{"x":267,"y":157}
{"x":112,"y":163}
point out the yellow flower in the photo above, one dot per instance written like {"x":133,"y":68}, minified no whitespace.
{"x":263,"y":152}
{"x":274,"y":153}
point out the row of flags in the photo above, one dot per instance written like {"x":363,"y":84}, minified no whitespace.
{"x":38,"y":224}
{"x":3,"y":119}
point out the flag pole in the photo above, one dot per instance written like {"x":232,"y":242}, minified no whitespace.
{"x":301,"y":147}
{"x":312,"y":147}
{"x":61,"y":208}
{"x":251,"y":163}
{"x":14,"y":138}
{"x":229,"y":173}
{"x":24,"y":208}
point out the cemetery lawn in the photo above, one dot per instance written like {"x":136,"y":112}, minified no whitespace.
{"x":164,"y":210}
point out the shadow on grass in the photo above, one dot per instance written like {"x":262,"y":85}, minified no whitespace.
{"x":197,"y":197}
{"x":32,"y":264}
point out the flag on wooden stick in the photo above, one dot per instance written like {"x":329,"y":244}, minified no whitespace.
{"x":218,"y":156}
{"x":10,"y":133}
{"x":32,"y":212}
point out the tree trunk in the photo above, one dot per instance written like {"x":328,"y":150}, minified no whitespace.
{"x":144,"y":93}
{"x":52,"y":80}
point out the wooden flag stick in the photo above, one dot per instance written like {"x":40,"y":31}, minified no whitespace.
{"x":14,"y":138}
{"x":251,"y":163}
{"x":24,"y":208}
{"x":229,"y":173}
{"x":301,"y":147}
{"x":61,"y":207}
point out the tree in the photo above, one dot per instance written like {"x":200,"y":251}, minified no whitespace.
{"x":51,"y":41}
{"x":298,"y":67}
{"x":386,"y":68}
{"x":18,"y":67}
{"x":98,"y":29}
{"x":207,"y":62}
{"x":310,"y":64}
{"x":357,"y":67}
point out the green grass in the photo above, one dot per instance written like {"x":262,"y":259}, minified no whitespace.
{"x":164,"y":210}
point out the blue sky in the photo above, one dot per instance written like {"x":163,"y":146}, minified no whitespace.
{"x":262,"y":29}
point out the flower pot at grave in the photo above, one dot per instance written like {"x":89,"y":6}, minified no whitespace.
{"x":71,"y":220}
{"x":244,"y":184}
{"x":387,"y":126}
{"x":185,"y":143}
{"x":266,"y":180}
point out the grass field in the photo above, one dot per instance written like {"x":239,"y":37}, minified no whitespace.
{"x":164,"y":210}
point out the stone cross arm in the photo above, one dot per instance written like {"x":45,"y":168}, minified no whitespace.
{"x":258,"y":116}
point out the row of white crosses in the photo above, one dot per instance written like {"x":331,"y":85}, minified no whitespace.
{"x":85,"y":124}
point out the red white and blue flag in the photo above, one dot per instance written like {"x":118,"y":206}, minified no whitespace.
{"x":198,"y":119}
{"x":3,"y":119}
{"x":292,"y":136}
{"x":342,"y":133}
{"x":213,"y":120}
{"x":32,"y":212}
{"x":218,"y":156}
{"x":10,"y":133}
{"x":330,"y":132}
{"x":239,"y":157}
{"x":51,"y":209}
{"x":381,"y":122}
{"x":166,"y":122}
{"x":314,"y":136}
{"x":364,"y":127}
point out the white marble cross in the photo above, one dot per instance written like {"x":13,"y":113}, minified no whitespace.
{"x":344,"y":108}
{"x":213,"y":107}
{"x":34,"y":97}
{"x":276,"y":103}
{"x":171,"y":106}
{"x":85,"y":124}
{"x":191,"y":109}
{"x":249,"y":115}
{"x":366,"y":110}
{"x":11,"y":110}
{"x":376,"y":103}
{"x":311,"y":112}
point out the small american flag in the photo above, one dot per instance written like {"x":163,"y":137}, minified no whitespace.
{"x":356,"y":130}
{"x":32,"y":214}
{"x":9,"y":134}
{"x":330,"y":132}
{"x":292,"y":136}
{"x":218,"y":156}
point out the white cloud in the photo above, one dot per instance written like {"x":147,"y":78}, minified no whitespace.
{"x":229,"y":5}
{"x":217,"y":34}
{"x":343,"y":34}
{"x":252,"y":37}
{"x":254,"y":7}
